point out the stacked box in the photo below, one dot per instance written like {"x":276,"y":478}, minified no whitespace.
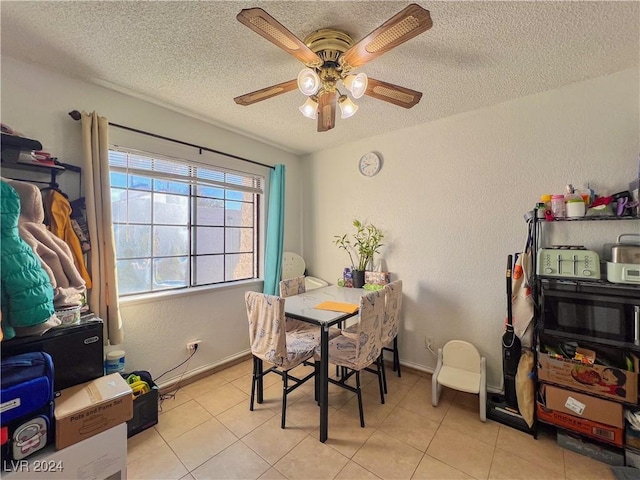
{"x":581,"y":377}
{"x":90,"y":408}
{"x":595,"y":417}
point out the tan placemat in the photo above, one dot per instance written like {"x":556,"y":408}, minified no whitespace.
{"x":338,"y":307}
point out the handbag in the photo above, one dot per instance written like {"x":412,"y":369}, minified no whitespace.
{"x":521,"y":300}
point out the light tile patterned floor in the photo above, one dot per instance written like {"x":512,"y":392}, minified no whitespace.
{"x":208,"y":432}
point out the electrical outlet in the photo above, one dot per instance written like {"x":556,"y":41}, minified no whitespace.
{"x":428,"y":344}
{"x":192,"y":345}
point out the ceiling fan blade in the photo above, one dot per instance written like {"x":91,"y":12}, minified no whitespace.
{"x":327,"y":111}
{"x":401,"y":96}
{"x":405,"y":25}
{"x":265,"y":93}
{"x":268,"y":27}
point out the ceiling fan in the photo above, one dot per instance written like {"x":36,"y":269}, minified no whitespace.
{"x":330,"y":56}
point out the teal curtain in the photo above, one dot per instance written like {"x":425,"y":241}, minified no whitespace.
{"x":275,"y":232}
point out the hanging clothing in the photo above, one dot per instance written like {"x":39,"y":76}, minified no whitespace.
{"x":27,"y":295}
{"x":60,"y":212}
{"x":56,"y":257}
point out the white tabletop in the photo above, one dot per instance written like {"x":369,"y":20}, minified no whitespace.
{"x":303,"y":305}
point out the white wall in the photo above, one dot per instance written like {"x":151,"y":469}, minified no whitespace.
{"x":35,"y":102}
{"x":450,"y":199}
{"x":451,"y":196}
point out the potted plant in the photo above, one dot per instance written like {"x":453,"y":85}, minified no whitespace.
{"x":364,"y":243}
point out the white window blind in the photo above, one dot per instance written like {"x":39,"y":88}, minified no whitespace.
{"x":143,"y":164}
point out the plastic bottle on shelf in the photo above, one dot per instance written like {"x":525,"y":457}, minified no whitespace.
{"x":557,"y":206}
{"x":574,"y":204}
{"x":588,"y":195}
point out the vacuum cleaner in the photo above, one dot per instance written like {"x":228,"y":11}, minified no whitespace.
{"x":504,"y":409}
{"x":511,"y":347}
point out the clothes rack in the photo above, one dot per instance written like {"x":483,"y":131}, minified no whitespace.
{"x":53,"y":170}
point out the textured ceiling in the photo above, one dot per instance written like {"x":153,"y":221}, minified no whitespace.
{"x":195,"y":57}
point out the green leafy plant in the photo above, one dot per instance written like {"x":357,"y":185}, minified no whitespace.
{"x":364,"y":243}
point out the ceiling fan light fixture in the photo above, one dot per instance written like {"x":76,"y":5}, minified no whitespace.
{"x":356,"y":84}
{"x":347,"y":107}
{"x":308,"y":82}
{"x":309,"y":108}
{"x":329,"y":57}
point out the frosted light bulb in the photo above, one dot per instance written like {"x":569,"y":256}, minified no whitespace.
{"x":308,"y":82}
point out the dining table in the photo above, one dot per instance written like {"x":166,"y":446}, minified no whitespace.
{"x":303,"y":307}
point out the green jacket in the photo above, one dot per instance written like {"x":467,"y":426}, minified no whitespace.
{"x":27,"y":294}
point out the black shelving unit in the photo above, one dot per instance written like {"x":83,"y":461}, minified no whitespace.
{"x":12,"y":145}
{"x":580,"y":285}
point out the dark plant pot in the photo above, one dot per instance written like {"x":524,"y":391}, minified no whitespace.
{"x":358,"y":278}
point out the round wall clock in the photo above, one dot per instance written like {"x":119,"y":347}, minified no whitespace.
{"x":370,"y":164}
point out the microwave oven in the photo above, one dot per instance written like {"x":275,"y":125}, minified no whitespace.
{"x":591,"y":311}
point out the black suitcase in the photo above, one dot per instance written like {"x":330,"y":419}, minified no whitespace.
{"x":26,"y":398}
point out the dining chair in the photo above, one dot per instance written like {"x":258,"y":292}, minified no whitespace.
{"x":360,"y":347}
{"x":292,"y":286}
{"x":270,"y":342}
{"x":390,"y":326}
{"x":288,"y":288}
{"x":461,"y":367}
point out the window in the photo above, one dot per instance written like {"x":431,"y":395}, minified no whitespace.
{"x":180,"y":224}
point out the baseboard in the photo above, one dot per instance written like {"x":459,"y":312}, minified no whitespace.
{"x":206,"y":370}
{"x":421,"y":369}
{"x":203,"y":372}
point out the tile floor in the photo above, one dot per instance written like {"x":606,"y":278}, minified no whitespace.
{"x":207,"y":431}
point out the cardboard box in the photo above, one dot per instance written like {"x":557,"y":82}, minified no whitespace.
{"x":103,"y":456}
{"x":87,"y":409}
{"x":585,"y":406}
{"x":558,"y":407}
{"x":593,"y":379}
{"x":631,"y":435}
{"x":376,"y":278}
{"x":599,"y":452}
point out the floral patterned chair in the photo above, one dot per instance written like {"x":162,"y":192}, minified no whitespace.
{"x":270,"y":342}
{"x":296,"y":286}
{"x":391,"y":324}
{"x":361,"y":347}
{"x":292,"y":286}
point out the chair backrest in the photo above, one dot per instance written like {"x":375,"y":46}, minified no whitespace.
{"x":266,"y":327}
{"x":392,"y":305}
{"x":292,"y":286}
{"x":368,"y":330}
{"x":462,"y":355}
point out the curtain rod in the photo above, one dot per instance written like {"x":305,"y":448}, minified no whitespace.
{"x":76,"y":115}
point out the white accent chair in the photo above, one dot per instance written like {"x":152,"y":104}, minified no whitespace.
{"x":461,"y":367}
